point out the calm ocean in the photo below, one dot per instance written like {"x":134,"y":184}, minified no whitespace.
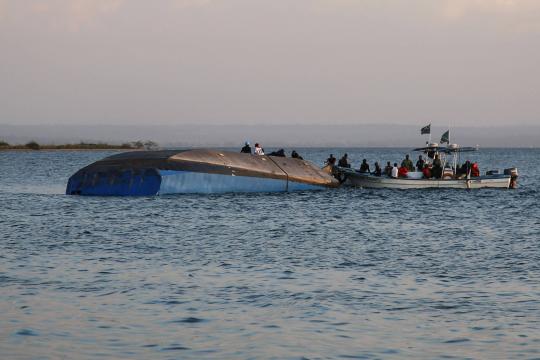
{"x":346,"y":273}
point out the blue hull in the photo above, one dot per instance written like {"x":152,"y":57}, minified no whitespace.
{"x":185,"y":182}
{"x":128,"y":183}
{"x":164,"y":182}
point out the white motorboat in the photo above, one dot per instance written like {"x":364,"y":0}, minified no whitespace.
{"x":450,"y":177}
{"x":355,"y":178}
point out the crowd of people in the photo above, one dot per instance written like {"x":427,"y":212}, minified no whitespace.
{"x":433,"y":170}
{"x":429,"y":170}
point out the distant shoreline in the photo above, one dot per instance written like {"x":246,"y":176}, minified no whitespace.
{"x":18,"y":149}
{"x":82,"y":146}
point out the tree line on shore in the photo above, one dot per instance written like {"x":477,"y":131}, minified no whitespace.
{"x":33,"y":145}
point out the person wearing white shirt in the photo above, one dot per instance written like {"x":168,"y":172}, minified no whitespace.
{"x":258,"y":149}
{"x":395,"y":171}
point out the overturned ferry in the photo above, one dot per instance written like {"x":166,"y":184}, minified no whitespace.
{"x":145,"y":173}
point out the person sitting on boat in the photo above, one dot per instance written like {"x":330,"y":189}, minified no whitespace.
{"x":295,"y":155}
{"x":475,"y":170}
{"x":426,"y":171}
{"x":407,"y":163}
{"x":378,"y":170}
{"x":258,"y":149}
{"x":279,"y":153}
{"x":246,"y":149}
{"x":364,"y":167}
{"x":436,"y":170}
{"x":464,"y":170}
{"x":343,"y":162}
{"x":395,"y":171}
{"x":388,"y":169}
{"x":420,"y":163}
{"x":331,"y":160}
{"x":402,"y":172}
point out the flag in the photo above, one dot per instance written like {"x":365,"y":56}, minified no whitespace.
{"x":445,"y":138}
{"x":425,"y":130}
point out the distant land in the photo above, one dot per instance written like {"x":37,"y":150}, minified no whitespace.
{"x":371,"y":135}
{"x":34,"y":145}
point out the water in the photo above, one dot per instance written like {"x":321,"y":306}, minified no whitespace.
{"x":348,"y":273}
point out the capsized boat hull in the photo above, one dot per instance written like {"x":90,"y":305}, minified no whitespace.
{"x":195,"y":171}
{"x":355,"y":179}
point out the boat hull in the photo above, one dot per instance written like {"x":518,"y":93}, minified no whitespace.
{"x":371,"y":181}
{"x":195,"y":171}
{"x":186,"y":182}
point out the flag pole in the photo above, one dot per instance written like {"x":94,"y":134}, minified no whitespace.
{"x":448,"y":131}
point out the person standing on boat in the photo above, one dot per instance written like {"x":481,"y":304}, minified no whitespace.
{"x":364,"y":167}
{"x":436,"y":169}
{"x":395,"y":171}
{"x":420,"y":163}
{"x":378,"y":170}
{"x":246,"y":149}
{"x":407,"y":163}
{"x":343,"y":162}
{"x":258,"y":149}
{"x":388,"y":169}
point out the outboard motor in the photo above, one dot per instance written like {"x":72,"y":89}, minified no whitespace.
{"x":513,"y":172}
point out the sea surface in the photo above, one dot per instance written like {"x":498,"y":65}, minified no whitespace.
{"x":346,"y":273}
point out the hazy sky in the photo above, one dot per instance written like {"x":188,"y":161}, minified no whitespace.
{"x":275,"y":61}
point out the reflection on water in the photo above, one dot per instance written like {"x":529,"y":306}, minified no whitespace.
{"x":349,"y":273}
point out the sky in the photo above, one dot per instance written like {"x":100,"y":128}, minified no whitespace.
{"x":175,"y":62}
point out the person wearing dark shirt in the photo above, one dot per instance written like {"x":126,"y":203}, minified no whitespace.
{"x":279,"y":153}
{"x":343,"y":162}
{"x":378,"y":170}
{"x":420,"y":163}
{"x":466,"y":168}
{"x":388,"y":169}
{"x":295,"y":155}
{"x":331,"y":160}
{"x":364,"y":167}
{"x":246,"y":149}
{"x":407,"y":163}
{"x":436,"y":169}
